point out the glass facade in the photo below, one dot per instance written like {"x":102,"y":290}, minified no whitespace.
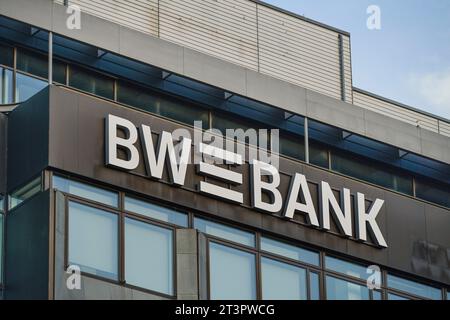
{"x":24,"y":193}
{"x":86,"y":191}
{"x":412,"y":287}
{"x":31,"y":77}
{"x":225,"y":232}
{"x":156,"y":212}
{"x":338,"y":289}
{"x":241,"y":264}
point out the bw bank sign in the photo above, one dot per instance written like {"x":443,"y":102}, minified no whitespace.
{"x":172,"y":152}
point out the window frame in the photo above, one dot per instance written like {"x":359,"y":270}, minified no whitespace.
{"x":121,"y":215}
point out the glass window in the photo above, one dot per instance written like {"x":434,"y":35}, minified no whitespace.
{"x":376,"y":295}
{"x":156,"y":212}
{"x":6,"y":56}
{"x":6,"y":86}
{"x":145,"y":99}
{"x":59,"y":72}
{"x":338,"y":289}
{"x":2,"y":204}
{"x":345,"y":267}
{"x":318,"y":155}
{"x":149,"y":256}
{"x":293,"y":147}
{"x":281,"y":281}
{"x":24,"y":193}
{"x":392,"y":296}
{"x":433,"y":192}
{"x":27,"y":86}
{"x":314,"y":286}
{"x":91,"y":81}
{"x":93,"y":240}
{"x":232,"y":273}
{"x":32,"y":62}
{"x":289,"y":251}
{"x":448,"y":294}
{"x":414,"y":288}
{"x":225,"y":232}
{"x":86,"y":191}
{"x":371,"y":171}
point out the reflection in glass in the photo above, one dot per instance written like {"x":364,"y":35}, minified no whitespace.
{"x":291,"y":146}
{"x":86,"y":191}
{"x":156,"y":212}
{"x":27,"y":86}
{"x":345,"y":267}
{"x":376,"y":295}
{"x":370,"y":171}
{"x":25,"y":192}
{"x":414,"y":288}
{"x":145,"y":99}
{"x":6,"y":55}
{"x":281,"y":281}
{"x":6,"y":86}
{"x":289,"y":251}
{"x":93,"y":240}
{"x":91,"y":82}
{"x":232,"y":273}
{"x":318,"y":155}
{"x":392,"y":296}
{"x":148,"y":256}
{"x":32,"y":62}
{"x":338,"y":289}
{"x":314,"y":286}
{"x":433,"y":192}
{"x":225,"y":232}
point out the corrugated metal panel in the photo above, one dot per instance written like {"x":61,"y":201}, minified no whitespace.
{"x":299,"y":52}
{"x":347,"y":69}
{"x":223,"y":28}
{"x":141,"y":15}
{"x":444,"y":128}
{"x":395,"y":111}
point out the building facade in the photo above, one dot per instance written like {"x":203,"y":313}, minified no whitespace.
{"x":356,"y":207}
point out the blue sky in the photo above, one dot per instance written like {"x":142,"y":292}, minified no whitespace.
{"x":407,"y":60}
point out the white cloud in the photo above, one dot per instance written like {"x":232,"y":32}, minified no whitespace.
{"x":434,"y":90}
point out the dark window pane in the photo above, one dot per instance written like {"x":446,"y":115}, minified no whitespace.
{"x":91,"y":82}
{"x":1,"y":247}
{"x":6,"y":56}
{"x":93,"y":240}
{"x":291,"y":146}
{"x":318,"y":155}
{"x":281,"y":281}
{"x":338,"y":289}
{"x":232,"y":273}
{"x":27,"y":86}
{"x":433,"y":192}
{"x":147,"y":100}
{"x":59,"y":72}
{"x":6,"y":86}
{"x":370,"y":171}
{"x":413,"y":287}
{"x":222,"y":122}
{"x":149,"y":256}
{"x":289,"y":251}
{"x":32,"y":62}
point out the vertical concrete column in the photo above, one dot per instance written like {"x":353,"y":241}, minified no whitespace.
{"x":187,"y":265}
